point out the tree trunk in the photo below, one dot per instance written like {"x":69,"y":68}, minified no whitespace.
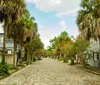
{"x":21,"y":52}
{"x":27,"y":55}
{"x":4,"y":42}
{"x":15,"y":52}
{"x":31,"y":57}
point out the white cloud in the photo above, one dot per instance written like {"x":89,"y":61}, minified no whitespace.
{"x":55,"y":5}
{"x":48,"y":33}
{"x":56,"y":2}
{"x":67,"y":13}
{"x":46,"y":43}
{"x":61,"y":8}
{"x":31,"y":1}
{"x":35,"y":21}
{"x":74,"y":19}
{"x":63,"y":24}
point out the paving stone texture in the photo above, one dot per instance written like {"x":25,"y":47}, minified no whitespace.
{"x":51,"y":72}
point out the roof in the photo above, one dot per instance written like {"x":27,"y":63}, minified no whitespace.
{"x":94,"y":47}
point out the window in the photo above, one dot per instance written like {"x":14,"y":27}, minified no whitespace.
{"x":95,"y":56}
{"x":1,"y":39}
{"x":9,"y":51}
{"x":8,"y":41}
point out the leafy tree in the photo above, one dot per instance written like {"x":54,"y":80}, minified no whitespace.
{"x":80,"y":47}
{"x":68,"y":51}
{"x":10,"y":11}
{"x":88,"y":19}
{"x":37,"y":46}
{"x":58,"y":44}
{"x":65,"y":49}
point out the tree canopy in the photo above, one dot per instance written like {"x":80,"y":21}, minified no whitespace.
{"x":88,"y":19}
{"x":20,"y":27}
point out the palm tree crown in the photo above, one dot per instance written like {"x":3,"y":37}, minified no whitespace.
{"x":88,"y":19}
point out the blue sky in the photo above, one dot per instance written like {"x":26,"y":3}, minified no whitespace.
{"x":53,"y":17}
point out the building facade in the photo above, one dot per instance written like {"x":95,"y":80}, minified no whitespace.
{"x":94,"y":49}
{"x":9,"y":49}
{"x":9,"y":44}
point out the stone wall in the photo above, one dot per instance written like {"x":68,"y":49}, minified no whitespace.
{"x":8,"y":59}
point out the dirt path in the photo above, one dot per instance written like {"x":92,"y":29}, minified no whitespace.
{"x":51,"y":72}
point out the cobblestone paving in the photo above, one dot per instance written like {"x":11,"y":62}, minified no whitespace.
{"x":51,"y":72}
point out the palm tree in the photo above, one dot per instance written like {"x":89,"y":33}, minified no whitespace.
{"x":31,"y":34}
{"x":11,"y":10}
{"x":25,"y":30}
{"x":88,"y":19}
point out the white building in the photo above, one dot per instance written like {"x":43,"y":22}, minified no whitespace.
{"x":94,"y":49}
{"x":9,"y":44}
{"x":9,"y":49}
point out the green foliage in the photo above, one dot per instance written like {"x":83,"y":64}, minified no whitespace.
{"x":65,"y":49}
{"x":4,"y":69}
{"x":80,"y":47}
{"x":37,"y":43}
{"x":58,"y":45}
{"x":81,"y":44}
{"x":88,"y":19}
{"x":21,"y":28}
{"x":10,"y":12}
{"x":72,"y":62}
{"x":57,"y":42}
{"x":34,"y":59}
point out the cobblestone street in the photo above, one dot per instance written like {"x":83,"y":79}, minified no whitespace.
{"x":51,"y":72}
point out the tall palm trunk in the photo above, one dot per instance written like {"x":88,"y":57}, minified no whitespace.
{"x":31,"y":57}
{"x":27,"y":55}
{"x":4,"y":42}
{"x":21,"y":52}
{"x":15,"y":52}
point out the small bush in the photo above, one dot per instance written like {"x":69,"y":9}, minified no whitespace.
{"x":34,"y":59}
{"x":61,"y":59}
{"x":4,"y":69}
{"x":71,"y":62}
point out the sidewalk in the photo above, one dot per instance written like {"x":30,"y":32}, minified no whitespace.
{"x":90,"y":69}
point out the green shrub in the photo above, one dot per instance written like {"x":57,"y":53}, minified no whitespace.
{"x":72,"y":62}
{"x":4,"y":69}
{"x":34,"y":59}
{"x":61,"y":58}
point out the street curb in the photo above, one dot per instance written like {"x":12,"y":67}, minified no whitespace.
{"x":93,"y":72}
{"x":15,"y":71}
